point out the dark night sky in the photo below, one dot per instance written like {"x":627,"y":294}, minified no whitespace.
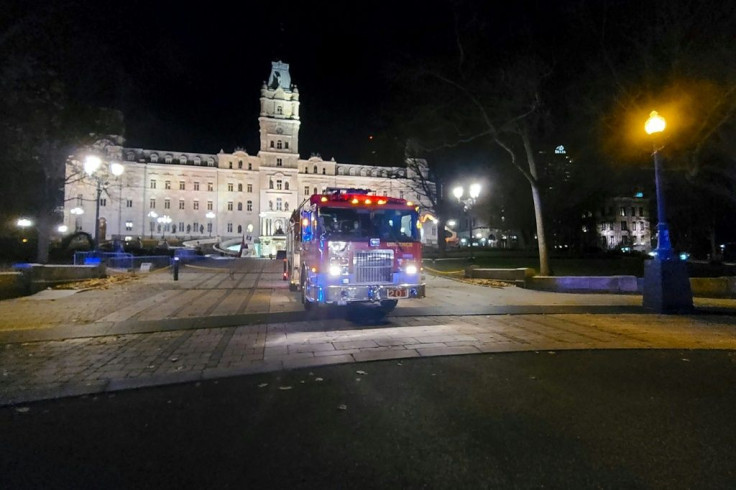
{"x":188,"y":78}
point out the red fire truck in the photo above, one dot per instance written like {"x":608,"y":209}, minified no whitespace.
{"x":348,"y":246}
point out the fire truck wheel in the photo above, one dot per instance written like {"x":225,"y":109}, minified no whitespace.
{"x":307,"y":304}
{"x":388,"y":305}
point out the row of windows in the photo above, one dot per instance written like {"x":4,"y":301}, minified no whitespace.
{"x":280,"y":145}
{"x":280,"y":185}
{"x":183,"y":159}
{"x":622,"y":211}
{"x":240,"y":165}
{"x":210,"y":186}
{"x":624,"y":226}
{"x":195,"y":205}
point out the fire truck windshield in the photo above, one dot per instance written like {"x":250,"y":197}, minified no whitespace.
{"x":362,"y":223}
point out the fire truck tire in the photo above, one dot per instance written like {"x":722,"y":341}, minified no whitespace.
{"x":307,"y":304}
{"x":388,"y":305}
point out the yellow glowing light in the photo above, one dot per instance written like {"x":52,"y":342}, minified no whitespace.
{"x":655,"y":123}
{"x":409,"y":203}
{"x":368,"y":201}
{"x":314,"y":270}
{"x":355,"y":200}
{"x":419,"y":225}
{"x":305,"y":222}
{"x":324,"y":199}
{"x":381,"y":201}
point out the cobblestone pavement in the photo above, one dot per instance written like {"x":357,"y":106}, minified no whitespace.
{"x":242,"y":319}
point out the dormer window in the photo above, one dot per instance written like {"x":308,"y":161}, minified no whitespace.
{"x":211,"y":162}
{"x":168,"y":159}
{"x":183,"y":159}
{"x":197,"y":160}
{"x":130,"y":156}
{"x":154,"y":157}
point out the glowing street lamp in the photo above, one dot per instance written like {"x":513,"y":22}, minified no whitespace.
{"x":62,"y":229}
{"x":92,"y":164}
{"x":666,"y":284}
{"x":24,"y":223}
{"x":153,"y":215}
{"x":164,"y":221}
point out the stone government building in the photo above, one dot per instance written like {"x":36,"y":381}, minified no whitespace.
{"x":225,"y":195}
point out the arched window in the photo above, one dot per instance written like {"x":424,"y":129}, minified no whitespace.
{"x":352,"y":171}
{"x":315,"y":169}
{"x":272,"y":144}
{"x":240,"y":164}
{"x":154,"y":157}
{"x":183,"y":159}
{"x":231,"y":165}
{"x":240,"y":228}
{"x":286,"y":206}
{"x":240,"y":206}
{"x":250,"y":166}
{"x":324,"y":171}
{"x":278,"y":145}
{"x":306,"y":170}
{"x":197,"y":160}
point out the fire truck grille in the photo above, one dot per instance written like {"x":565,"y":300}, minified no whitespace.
{"x":374,"y":266}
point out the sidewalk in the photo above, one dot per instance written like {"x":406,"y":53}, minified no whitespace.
{"x":242,"y":319}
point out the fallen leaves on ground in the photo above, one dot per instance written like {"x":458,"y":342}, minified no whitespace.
{"x":101,"y":283}
{"x":487,"y":282}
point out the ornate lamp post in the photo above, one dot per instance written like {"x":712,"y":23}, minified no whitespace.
{"x":468,"y":202}
{"x":666,"y":286}
{"x":164,"y":222}
{"x":210,"y":216}
{"x":92,"y":164}
{"x":153,"y":215}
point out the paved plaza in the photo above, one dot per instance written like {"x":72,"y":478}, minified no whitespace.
{"x":227,"y":318}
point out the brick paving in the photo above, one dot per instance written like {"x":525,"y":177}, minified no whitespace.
{"x":155,"y":331}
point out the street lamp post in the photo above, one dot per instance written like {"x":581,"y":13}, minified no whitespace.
{"x":92,"y":163}
{"x":153,"y":215}
{"x":210,"y":216}
{"x":468,"y":202}
{"x":164,"y":222}
{"x":666,"y":286}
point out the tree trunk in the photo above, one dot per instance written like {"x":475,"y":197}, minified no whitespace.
{"x":544,"y":269}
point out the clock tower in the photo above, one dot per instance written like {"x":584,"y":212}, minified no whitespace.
{"x":279,"y":119}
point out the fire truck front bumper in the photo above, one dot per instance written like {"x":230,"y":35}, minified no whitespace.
{"x":344,"y":294}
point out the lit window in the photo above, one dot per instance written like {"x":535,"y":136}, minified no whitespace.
{"x":128,"y":225}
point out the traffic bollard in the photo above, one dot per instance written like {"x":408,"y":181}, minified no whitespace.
{"x":176,"y":268}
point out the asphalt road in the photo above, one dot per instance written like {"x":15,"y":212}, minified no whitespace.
{"x":573,"y":419}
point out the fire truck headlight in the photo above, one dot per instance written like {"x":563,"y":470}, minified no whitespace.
{"x":335,"y":270}
{"x":411,"y":269}
{"x":337,"y":246}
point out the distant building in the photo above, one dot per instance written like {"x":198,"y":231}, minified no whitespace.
{"x":227,"y":195}
{"x":623,"y":223}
